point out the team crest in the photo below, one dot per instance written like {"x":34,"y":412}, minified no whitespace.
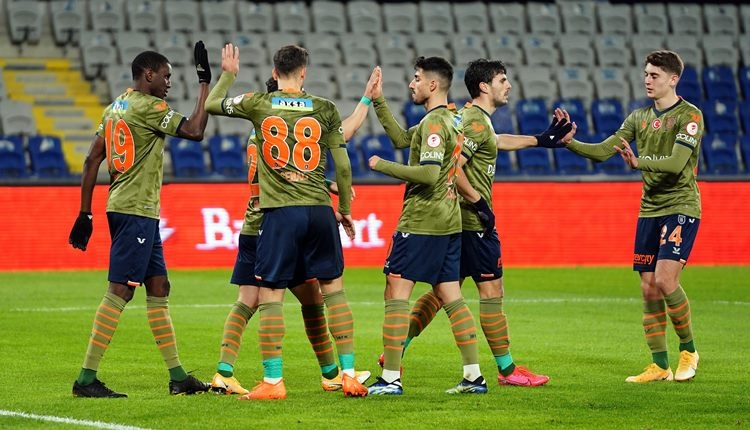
{"x":670,"y":123}
{"x":681,"y":219}
{"x":656,"y":124}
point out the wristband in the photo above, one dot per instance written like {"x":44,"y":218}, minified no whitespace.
{"x":365,"y":100}
{"x":328,"y":183}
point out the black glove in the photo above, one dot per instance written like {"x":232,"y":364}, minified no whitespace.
{"x":201,"y":62}
{"x":550,"y":138}
{"x":81,"y":231}
{"x":486,"y":216}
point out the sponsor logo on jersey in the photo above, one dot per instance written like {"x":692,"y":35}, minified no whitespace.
{"x":433,"y":141}
{"x":161,"y":105}
{"x":436,"y":155}
{"x":120,"y":106}
{"x":477,"y":127}
{"x":692,"y":128}
{"x":167,"y":118}
{"x":656,"y":124}
{"x":228,"y":106}
{"x":288,"y":103}
{"x":687,"y":139}
{"x":468,"y":143}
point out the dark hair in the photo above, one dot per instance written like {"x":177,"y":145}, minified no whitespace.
{"x":272,"y":85}
{"x":290,"y":58}
{"x":482,"y":70}
{"x":147,"y":60}
{"x":666,"y":60}
{"x":439,"y":66}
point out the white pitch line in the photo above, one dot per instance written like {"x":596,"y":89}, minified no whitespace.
{"x":507,"y":301}
{"x":72,"y":421}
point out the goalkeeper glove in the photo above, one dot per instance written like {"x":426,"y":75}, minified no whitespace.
{"x":81,"y":231}
{"x":485,"y":214}
{"x":201,"y":63}
{"x":550,"y":138}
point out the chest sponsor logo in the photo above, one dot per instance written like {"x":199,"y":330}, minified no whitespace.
{"x":692,"y":128}
{"x":287,"y":103}
{"x":656,"y":124}
{"x":433,"y":141}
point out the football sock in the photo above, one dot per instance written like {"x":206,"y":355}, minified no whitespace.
{"x":464,"y":330}
{"x":422,"y":313}
{"x":654,"y":327}
{"x":495,"y":328}
{"x":505,"y":364}
{"x":678,"y":308}
{"x":341,"y":325}
{"x":157,"y":312}
{"x":395,"y":327}
{"x":314,"y":319}
{"x":270,"y":336}
{"x":234,"y":327}
{"x":105,"y":323}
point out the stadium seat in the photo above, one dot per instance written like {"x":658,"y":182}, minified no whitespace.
{"x":98,"y":53}
{"x":721,"y":49}
{"x":394,"y":49}
{"x":25,"y":20}
{"x":508,"y":18}
{"x":534,"y":161}
{"x":644,"y":44}
{"x":219,"y":16}
{"x":577,"y":111}
{"x":68,"y":21}
{"x":174,"y":46}
{"x":720,"y":154}
{"x":504,"y":165}
{"x":505,"y":47}
{"x":430,"y":44}
{"x":107,"y":15}
{"x":467,"y":47}
{"x":292,"y":16}
{"x":233,"y":126}
{"x":544,"y":18}
{"x":328,"y":16}
{"x":471,"y":17}
{"x":745,"y":19}
{"x":413,"y":113}
{"x":719,"y":83}
{"x":16,"y":117}
{"x":396,"y":84}
{"x":187,"y":158}
{"x":685,"y":18}
{"x":568,"y":163}
{"x":226,"y":153}
{"x":540,"y":50}
{"x":689,"y":48}
{"x":745,"y":150}
{"x":502,"y":120}
{"x":130,"y":44}
{"x":256,"y":17}
{"x":579,"y":17}
{"x":359,"y":169}
{"x":721,"y":117}
{"x":214,"y":42}
{"x":436,"y":17}
{"x":377,"y":144}
{"x":575,"y":83}
{"x":47,"y":158}
{"x":400,"y":18}
{"x":119,"y":79}
{"x":12,"y":158}
{"x":183,"y":16}
{"x":611,"y":83}
{"x":323,"y":49}
{"x":253,"y":48}
{"x":321,"y":81}
{"x":358,"y":49}
{"x":615,"y":18}
{"x":744,"y":113}
{"x":607,"y":115}
{"x":612,"y":50}
{"x":532,"y":116}
{"x":688,"y":87}
{"x":722,"y":18}
{"x":536,"y":82}
{"x":352,"y":81}
{"x":638,"y":103}
{"x":144,"y":15}
{"x":365,"y":16}
{"x":651,"y":18}
{"x":576,"y":50}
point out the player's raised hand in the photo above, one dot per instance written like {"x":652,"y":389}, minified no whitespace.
{"x":627,"y":154}
{"x":202,"y":68}
{"x":81,"y":231}
{"x":563,"y":114}
{"x":374,"y":88}
{"x":230,"y":58}
{"x":550,"y":138}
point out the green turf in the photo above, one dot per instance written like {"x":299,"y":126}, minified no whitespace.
{"x":581,"y":326}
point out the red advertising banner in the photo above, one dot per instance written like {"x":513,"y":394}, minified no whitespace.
{"x":540,"y":224}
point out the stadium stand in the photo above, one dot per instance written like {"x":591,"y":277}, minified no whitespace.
{"x":365,"y":16}
{"x":256,"y":17}
{"x":576,"y":50}
{"x":534,"y":161}
{"x":568,"y":163}
{"x":615,"y":18}
{"x":576,"y":110}
{"x":68,"y":21}
{"x":47,"y":158}
{"x":12,"y":158}
{"x":504,"y":165}
{"x":436,"y":17}
{"x":227,"y":155}
{"x":508,"y":17}
{"x":651,"y":18}
{"x":607,"y":115}
{"x":719,"y":83}
{"x":579,"y":17}
{"x":720,"y":154}
{"x":292,"y":17}
{"x":144,"y":15}
{"x":544,"y":18}
{"x":471,"y":17}
{"x":187,"y":158}
{"x":685,"y":18}
{"x":108,"y":15}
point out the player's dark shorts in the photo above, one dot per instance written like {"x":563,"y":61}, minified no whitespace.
{"x":481,"y":256}
{"x":244,"y":264}
{"x":298,"y":242}
{"x":669,"y":237}
{"x":424,"y":258}
{"x":136,"y":253}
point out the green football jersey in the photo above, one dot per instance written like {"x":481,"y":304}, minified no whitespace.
{"x":434,"y":209}
{"x":296,"y":130}
{"x":134,"y":127}
{"x":253,"y":214}
{"x":655,"y":134}
{"x":480,"y":151}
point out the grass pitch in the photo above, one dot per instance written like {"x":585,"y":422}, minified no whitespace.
{"x":580,"y":326}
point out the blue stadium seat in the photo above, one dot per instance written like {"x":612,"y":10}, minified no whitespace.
{"x":355,"y":160}
{"x":187,"y":158}
{"x":12,"y":157}
{"x":689,"y":87}
{"x":413,"y":113}
{"x":532,"y":116}
{"x":568,"y":163}
{"x":607,"y":115}
{"x":744,"y":112}
{"x":720,"y":154}
{"x":721,"y":117}
{"x":613,"y":165}
{"x":718,"y":81}
{"x":745,"y":150}
{"x":504,"y":165}
{"x":47,"y":157}
{"x":502,"y":120}
{"x":377,"y":144}
{"x":576,"y":111}
{"x":744,"y":76}
{"x":534,"y":161}
{"x":226,"y":153}
{"x":639,"y":103}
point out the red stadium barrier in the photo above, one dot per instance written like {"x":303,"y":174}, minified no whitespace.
{"x":540,"y":224}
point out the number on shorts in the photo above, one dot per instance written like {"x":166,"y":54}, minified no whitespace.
{"x":674,"y":237}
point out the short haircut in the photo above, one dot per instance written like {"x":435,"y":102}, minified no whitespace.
{"x":290,"y":58}
{"x":481,"y":70}
{"x":147,"y":60}
{"x":666,"y":60}
{"x":439,"y":66}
